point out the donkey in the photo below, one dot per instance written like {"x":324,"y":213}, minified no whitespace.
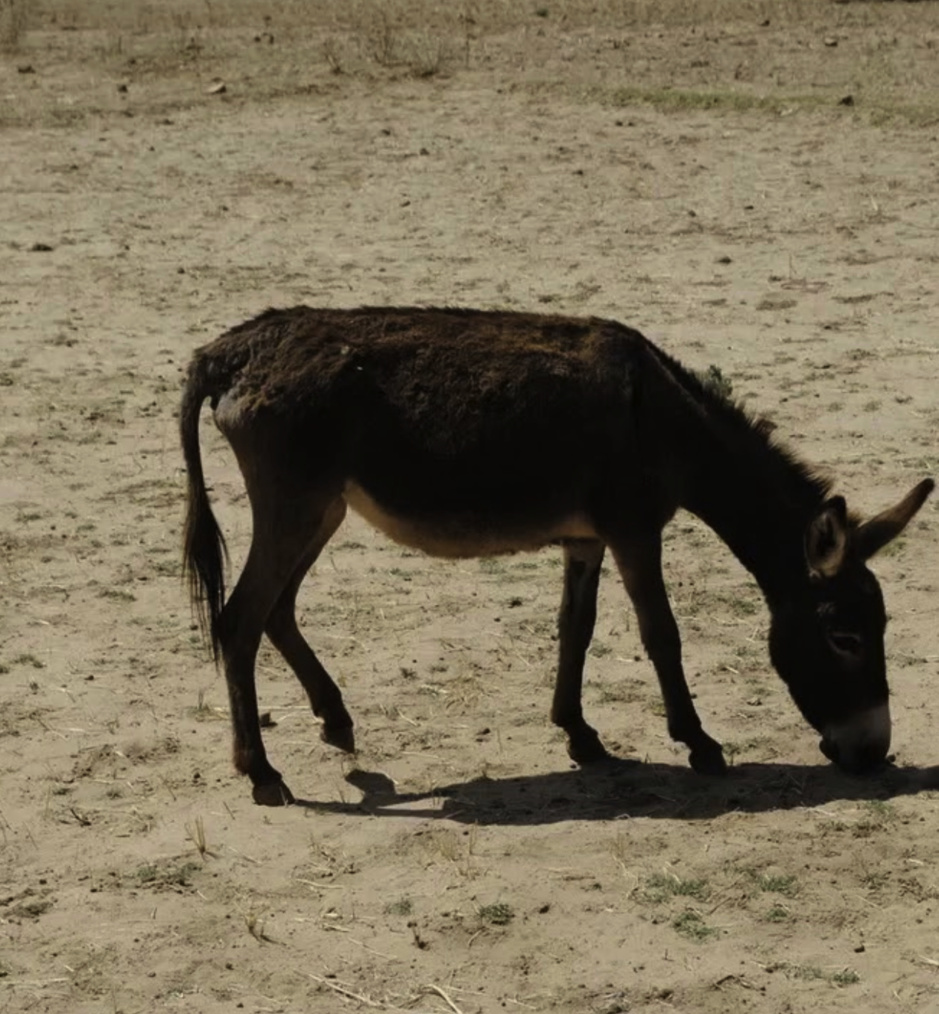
{"x":469,"y":433}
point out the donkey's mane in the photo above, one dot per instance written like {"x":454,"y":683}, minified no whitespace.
{"x":753,"y":434}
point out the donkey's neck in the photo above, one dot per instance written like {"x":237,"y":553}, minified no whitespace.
{"x":753,"y":493}
{"x":763,"y":528}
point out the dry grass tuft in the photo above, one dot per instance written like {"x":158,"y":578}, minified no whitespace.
{"x":196,"y":834}
{"x":255,"y":922}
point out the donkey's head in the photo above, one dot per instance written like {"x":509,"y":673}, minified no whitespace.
{"x":827,"y":640}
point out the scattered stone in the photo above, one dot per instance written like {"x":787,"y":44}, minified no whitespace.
{"x":217,"y":88}
{"x":847,"y":100}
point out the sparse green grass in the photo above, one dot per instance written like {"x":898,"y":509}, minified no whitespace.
{"x":683,"y":99}
{"x":167,"y":568}
{"x":778,"y":913}
{"x":27,"y":659}
{"x":161,"y":876}
{"x":660,"y":887}
{"x":893,"y":548}
{"x":498,"y":914}
{"x":874,"y":881}
{"x":741,"y":606}
{"x":655,"y":706}
{"x":807,"y":973}
{"x":732,"y":750}
{"x":778,"y":883}
{"x":492,"y":565}
{"x":812,"y":973}
{"x":621,"y":692}
{"x":691,"y":924}
{"x":599,"y":650}
{"x":880,"y":809}
{"x":403,"y":906}
{"x":876,"y":815}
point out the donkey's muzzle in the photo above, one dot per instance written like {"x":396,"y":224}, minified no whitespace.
{"x":860,"y":744}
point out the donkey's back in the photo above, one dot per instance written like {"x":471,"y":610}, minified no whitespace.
{"x":458,"y":432}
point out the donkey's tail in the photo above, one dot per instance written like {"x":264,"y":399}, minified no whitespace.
{"x":204,"y":552}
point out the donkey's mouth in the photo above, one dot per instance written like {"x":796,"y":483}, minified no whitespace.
{"x":864,"y":762}
{"x":829,"y":750}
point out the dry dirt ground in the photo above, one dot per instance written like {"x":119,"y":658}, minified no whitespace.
{"x":754,"y":186}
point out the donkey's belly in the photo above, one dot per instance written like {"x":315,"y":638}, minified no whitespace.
{"x":466,"y":535}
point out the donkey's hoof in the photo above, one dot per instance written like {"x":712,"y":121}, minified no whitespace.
{"x":342,"y":737}
{"x":708,"y":760}
{"x":585,"y":747}
{"x":272,"y":794}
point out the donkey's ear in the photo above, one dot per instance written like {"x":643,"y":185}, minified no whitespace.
{"x":826,"y":538}
{"x":873,"y":535}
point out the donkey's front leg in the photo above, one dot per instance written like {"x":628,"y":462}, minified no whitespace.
{"x":582,"y":560}
{"x":640,"y":563}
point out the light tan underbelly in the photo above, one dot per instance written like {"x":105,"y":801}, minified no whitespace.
{"x":456,"y":538}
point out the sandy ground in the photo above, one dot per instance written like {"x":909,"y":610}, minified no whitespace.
{"x":699,"y":178}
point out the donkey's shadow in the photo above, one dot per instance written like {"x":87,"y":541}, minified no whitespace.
{"x":621,"y":789}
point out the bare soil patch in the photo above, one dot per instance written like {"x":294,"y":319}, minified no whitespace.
{"x":750,"y":184}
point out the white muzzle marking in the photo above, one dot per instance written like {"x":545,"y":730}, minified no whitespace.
{"x":863,"y":738}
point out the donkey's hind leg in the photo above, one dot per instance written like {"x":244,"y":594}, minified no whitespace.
{"x":582,"y":560}
{"x":283,"y":530}
{"x":281,"y":628}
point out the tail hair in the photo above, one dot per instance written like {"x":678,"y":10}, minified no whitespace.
{"x":204,"y":551}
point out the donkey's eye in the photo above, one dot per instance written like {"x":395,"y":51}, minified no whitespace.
{"x":845,"y":642}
